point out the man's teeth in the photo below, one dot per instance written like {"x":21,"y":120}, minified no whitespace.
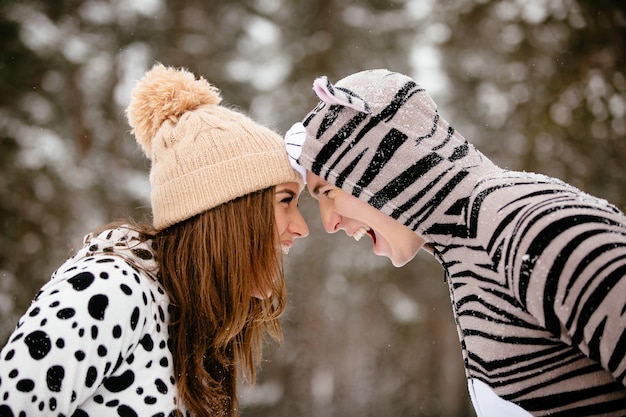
{"x":360,"y":233}
{"x":285,"y":249}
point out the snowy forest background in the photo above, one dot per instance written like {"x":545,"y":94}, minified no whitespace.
{"x":537,"y":85}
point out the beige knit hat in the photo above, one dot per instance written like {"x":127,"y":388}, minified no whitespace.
{"x":202,"y":154}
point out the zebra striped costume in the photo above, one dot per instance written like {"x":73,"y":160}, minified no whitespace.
{"x":535,"y":267}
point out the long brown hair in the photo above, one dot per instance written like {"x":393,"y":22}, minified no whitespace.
{"x":210,"y":265}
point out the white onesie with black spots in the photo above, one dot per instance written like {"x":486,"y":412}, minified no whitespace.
{"x":94,"y":341}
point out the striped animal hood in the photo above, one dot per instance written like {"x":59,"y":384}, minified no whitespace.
{"x":378,"y":135}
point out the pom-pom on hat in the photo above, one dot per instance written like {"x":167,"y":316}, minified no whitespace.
{"x":203,"y":154}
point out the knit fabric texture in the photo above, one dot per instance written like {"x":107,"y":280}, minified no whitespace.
{"x":203,"y":154}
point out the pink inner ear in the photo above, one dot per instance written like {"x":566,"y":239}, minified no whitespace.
{"x":322,"y":92}
{"x":320,"y":87}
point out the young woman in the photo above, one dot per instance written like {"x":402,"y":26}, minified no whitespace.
{"x":536,"y":268}
{"x":160,"y":319}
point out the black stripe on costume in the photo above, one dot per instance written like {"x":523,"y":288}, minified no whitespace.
{"x":539,"y":244}
{"x":445,"y":141}
{"x":595,"y":300}
{"x":337,"y":140}
{"x":553,"y":402}
{"x":427,"y":210}
{"x":387,"y":148}
{"x":385,"y":116}
{"x":590,"y":257}
{"x":432,"y":132}
{"x":618,"y":354}
{"x":350,"y":94}
{"x":348,"y":170}
{"x":404,"y":180}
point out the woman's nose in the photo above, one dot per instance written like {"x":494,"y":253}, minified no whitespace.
{"x":298,"y":226}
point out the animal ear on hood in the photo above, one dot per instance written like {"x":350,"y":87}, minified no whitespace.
{"x":330,"y":94}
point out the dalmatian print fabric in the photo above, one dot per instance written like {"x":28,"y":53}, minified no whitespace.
{"x":94,"y":341}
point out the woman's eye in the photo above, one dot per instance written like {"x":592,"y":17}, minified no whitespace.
{"x":287,"y":200}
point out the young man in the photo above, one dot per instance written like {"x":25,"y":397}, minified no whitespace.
{"x":535,"y":267}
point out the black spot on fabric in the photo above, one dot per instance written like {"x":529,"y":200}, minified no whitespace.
{"x":102,"y":351}
{"x":79,"y":355}
{"x":160,"y":386}
{"x":80,"y":413}
{"x":66,"y":313}
{"x":92,"y":375}
{"x":150,"y":399}
{"x":139,"y":390}
{"x":98,"y":399}
{"x":5,"y":411}
{"x":134,"y":318}
{"x":73,"y":396}
{"x":81,"y":281}
{"x":161,"y":314}
{"x":117,"y":331}
{"x":104,"y":275}
{"x":97,"y":306}
{"x":147,"y":342}
{"x":164,"y":362}
{"x":159,"y":415}
{"x":126,"y":411}
{"x":54,"y":378}
{"x":55,"y":304}
{"x":143,"y":254}
{"x":9,"y":355}
{"x":126,"y":289}
{"x":60,"y":343}
{"x":13,"y":373}
{"x":94,"y":332}
{"x":25,"y":385}
{"x":145,"y":298}
{"x":38,"y":343}
{"x":112,"y":403}
{"x":52,"y":404}
{"x":118,"y":362}
{"x":120,"y":383}
{"x":17,"y":337}
{"x":34,"y":312}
